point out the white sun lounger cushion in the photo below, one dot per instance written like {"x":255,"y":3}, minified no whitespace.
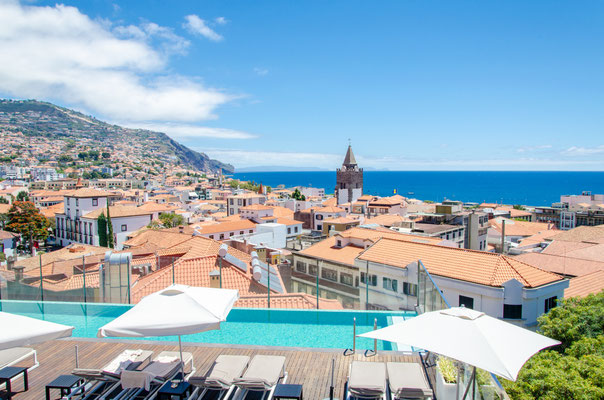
{"x":263,"y":373}
{"x":367,"y":379}
{"x":223,"y":372}
{"x":10,"y":356}
{"x":407,"y":380}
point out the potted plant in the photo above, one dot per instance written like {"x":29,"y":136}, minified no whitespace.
{"x":446,"y":379}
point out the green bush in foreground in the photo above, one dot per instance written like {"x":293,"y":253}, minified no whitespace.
{"x":575,"y":369}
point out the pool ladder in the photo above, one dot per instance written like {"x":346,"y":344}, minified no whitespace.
{"x":368,"y":352}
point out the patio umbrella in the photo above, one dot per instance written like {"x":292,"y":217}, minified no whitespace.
{"x":18,"y":330}
{"x":469,"y":336}
{"x":177,"y":310}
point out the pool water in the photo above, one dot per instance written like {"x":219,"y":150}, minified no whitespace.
{"x":245,"y":326}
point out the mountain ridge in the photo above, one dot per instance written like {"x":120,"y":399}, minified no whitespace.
{"x":43,"y":119}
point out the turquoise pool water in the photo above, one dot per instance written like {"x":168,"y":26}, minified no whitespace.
{"x":246,"y":326}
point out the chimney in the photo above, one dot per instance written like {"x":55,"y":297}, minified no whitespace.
{"x":215,"y":279}
{"x":503,"y":236}
{"x":18,"y":270}
{"x":181,"y":229}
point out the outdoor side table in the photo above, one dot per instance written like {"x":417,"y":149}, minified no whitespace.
{"x":181,"y":391}
{"x":288,"y":391}
{"x":8,"y":373}
{"x":65,"y":383}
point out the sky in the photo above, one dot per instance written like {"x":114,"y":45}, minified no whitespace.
{"x":414,"y":85}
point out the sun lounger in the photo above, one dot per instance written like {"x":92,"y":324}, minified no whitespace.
{"x":220,"y":377}
{"x":98,"y":381}
{"x":366,"y":380}
{"x":262,"y":375}
{"x":146,"y":382}
{"x":10,"y":357}
{"x":407,"y":381}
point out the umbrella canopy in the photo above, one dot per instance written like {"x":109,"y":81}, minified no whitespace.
{"x":469,"y":336}
{"x":176,"y":310}
{"x":18,"y":330}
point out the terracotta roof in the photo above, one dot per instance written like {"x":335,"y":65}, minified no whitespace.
{"x":73,"y":251}
{"x":331,"y":202}
{"x":299,"y":301}
{"x":157,"y":239}
{"x":118,"y":212}
{"x":7,"y":235}
{"x":329,"y":209}
{"x":387,"y":201}
{"x":256,"y":207}
{"x":155,"y":207}
{"x":327,"y":249}
{"x":342,"y":220}
{"x":231,"y":226}
{"x":514,"y":213}
{"x":467,"y":265}
{"x":561,"y":265}
{"x":539,"y":237}
{"x":519,"y":228}
{"x":387,"y":219}
{"x":594,"y":234}
{"x":282,"y":212}
{"x":247,"y":196}
{"x":582,"y":286}
{"x":366,"y":197}
{"x":230,"y":218}
{"x":88,"y":192}
{"x":196,"y":272}
{"x":580,"y":250}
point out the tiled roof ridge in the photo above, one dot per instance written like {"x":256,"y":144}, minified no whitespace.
{"x":452,"y":248}
{"x":159,"y":273}
{"x":507,"y":259}
{"x":509,"y":264}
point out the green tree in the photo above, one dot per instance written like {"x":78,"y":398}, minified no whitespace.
{"x":22,"y":196}
{"x":101,"y":223}
{"x":110,"y":241}
{"x":298,"y":196}
{"x":171,"y":220}
{"x":106,"y":155}
{"x":518,"y":207}
{"x":575,"y":369}
{"x":65,"y":158}
{"x":3,"y":200}
{"x":25,"y":219}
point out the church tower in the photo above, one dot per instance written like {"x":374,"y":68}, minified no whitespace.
{"x":349,"y":180}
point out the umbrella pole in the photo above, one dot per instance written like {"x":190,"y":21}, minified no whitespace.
{"x":182,"y":364}
{"x":472,"y":383}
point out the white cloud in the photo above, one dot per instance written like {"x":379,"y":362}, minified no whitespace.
{"x":221,"y":20}
{"x":583,"y":151}
{"x":193,"y":131}
{"x":246,"y":158}
{"x":59,"y":54}
{"x":198,"y":26}
{"x":527,"y":149}
{"x":261,"y":71}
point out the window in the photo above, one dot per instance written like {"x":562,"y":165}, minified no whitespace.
{"x":312,"y":270}
{"x":221,"y":236}
{"x":372,"y":279}
{"x":329,"y":274}
{"x":238,"y":202}
{"x":232,"y":202}
{"x":319,"y":217}
{"x":346,"y":279}
{"x":296,"y":229}
{"x":289,"y":231}
{"x":467,"y":302}
{"x":124,"y":227}
{"x":339,"y":243}
{"x":231,"y":234}
{"x":390,"y":284}
{"x":550,"y":303}
{"x":241,"y":232}
{"x":410,"y":289}
{"x":77,"y":202}
{"x":211,"y":236}
{"x":300,"y":266}
{"x":512,"y":311}
{"x":232,"y":211}
{"x":251,"y":231}
{"x":95,"y":202}
{"x":319,"y":227}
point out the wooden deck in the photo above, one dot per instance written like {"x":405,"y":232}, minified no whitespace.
{"x":308,"y":367}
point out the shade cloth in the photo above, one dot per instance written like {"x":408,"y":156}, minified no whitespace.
{"x":18,"y":330}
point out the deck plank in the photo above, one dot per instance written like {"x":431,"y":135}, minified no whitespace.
{"x":311,"y":368}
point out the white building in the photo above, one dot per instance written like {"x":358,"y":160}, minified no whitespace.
{"x":497,"y":285}
{"x":44,"y":174}
{"x":235,"y":202}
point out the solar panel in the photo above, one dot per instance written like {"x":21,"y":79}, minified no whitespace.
{"x":275,"y":282}
{"x":236,"y":262}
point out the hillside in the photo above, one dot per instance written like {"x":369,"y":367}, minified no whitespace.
{"x":70,"y":133}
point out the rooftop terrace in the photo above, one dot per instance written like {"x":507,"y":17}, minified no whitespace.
{"x":308,"y":367}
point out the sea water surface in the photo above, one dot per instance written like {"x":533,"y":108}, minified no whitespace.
{"x":535,"y":188}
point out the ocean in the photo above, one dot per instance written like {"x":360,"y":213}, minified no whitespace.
{"x":540,"y":188}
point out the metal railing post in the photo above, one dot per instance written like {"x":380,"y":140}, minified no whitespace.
{"x":173,"y":278}
{"x":375,"y":340}
{"x":354,"y":334}
{"x":220,"y":270}
{"x":41,"y":284}
{"x":84,"y":277}
{"x":268,"y":284}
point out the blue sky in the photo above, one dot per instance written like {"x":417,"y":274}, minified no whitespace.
{"x":421,"y":85}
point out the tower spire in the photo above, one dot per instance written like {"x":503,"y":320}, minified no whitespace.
{"x":349,"y":160}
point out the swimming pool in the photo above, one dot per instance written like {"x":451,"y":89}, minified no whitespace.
{"x":245,"y":326}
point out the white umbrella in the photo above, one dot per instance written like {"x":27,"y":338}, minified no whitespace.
{"x":469,"y":336}
{"x":18,"y":330}
{"x":176,"y":310}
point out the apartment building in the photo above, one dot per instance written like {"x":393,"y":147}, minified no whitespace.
{"x":235,"y":202}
